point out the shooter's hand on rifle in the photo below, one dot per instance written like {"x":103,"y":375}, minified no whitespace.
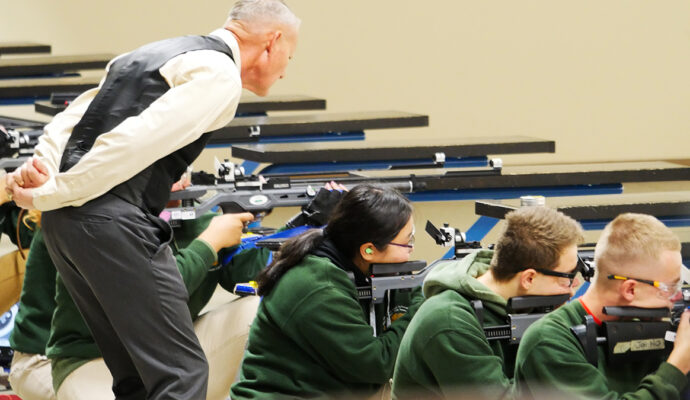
{"x":317,"y":212}
{"x":225,"y":230}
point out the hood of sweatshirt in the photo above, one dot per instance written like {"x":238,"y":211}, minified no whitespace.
{"x":461,"y":276}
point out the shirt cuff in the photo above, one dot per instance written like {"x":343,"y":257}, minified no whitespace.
{"x":42,"y":196}
{"x":672,"y":375}
{"x":204,"y":250}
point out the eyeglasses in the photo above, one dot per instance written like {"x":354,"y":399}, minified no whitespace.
{"x":568,"y":275}
{"x":409,"y":245}
{"x":668,"y":290}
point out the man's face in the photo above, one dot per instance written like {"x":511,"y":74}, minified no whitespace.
{"x":546,"y":285}
{"x":667,"y":273}
{"x":274,"y":62}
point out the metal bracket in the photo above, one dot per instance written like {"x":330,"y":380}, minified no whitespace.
{"x":254,"y":131}
{"x":439,"y":158}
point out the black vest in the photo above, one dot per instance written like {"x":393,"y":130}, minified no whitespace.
{"x":131,"y":85}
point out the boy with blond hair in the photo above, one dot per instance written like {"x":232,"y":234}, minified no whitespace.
{"x":638,"y":264}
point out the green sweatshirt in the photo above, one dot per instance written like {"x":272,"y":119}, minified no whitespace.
{"x":550,"y":357}
{"x":311,"y":338}
{"x":70,"y":343}
{"x":37,"y":301}
{"x":444,"y":349}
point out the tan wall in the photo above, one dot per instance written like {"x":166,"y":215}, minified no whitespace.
{"x":606,"y":80}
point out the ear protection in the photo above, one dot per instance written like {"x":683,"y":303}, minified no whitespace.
{"x":368,"y":250}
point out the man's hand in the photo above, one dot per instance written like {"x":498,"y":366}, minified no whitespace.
{"x":23,"y":198}
{"x":680,"y":356}
{"x":30,"y":175}
{"x":19,"y":183}
{"x":225,"y":230}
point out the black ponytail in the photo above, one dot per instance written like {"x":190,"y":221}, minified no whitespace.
{"x":365,"y":214}
{"x":290,"y":254}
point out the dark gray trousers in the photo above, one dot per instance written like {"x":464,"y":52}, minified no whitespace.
{"x":115,"y":261}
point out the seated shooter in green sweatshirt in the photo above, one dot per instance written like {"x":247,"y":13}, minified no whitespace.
{"x":638,"y":264}
{"x":311,"y":336}
{"x":444,"y":352}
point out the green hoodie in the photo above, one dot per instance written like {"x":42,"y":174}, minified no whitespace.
{"x":444,"y":349}
{"x":550,"y":357}
{"x":311,"y":338}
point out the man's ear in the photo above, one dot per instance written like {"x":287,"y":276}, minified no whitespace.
{"x":367,"y":251}
{"x":527,"y":278}
{"x":272,"y":40}
{"x":627,"y":290}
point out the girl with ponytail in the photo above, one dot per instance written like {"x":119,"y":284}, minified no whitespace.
{"x":311,"y":336}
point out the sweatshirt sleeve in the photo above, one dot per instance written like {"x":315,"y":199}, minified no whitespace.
{"x":194,"y":262}
{"x":243,"y":267}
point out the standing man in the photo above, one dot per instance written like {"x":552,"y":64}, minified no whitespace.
{"x":103,"y":172}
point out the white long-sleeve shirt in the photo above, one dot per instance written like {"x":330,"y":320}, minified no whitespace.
{"x":205,"y":89}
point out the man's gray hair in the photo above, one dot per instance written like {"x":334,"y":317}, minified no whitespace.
{"x":264,"y":11}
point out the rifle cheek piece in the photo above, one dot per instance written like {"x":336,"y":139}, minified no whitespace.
{"x":628,"y":341}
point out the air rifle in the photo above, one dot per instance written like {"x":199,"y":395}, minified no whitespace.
{"x":233,"y":191}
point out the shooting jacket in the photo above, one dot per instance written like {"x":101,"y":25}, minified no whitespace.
{"x":550,"y":357}
{"x":311,"y":338}
{"x":444,"y":352}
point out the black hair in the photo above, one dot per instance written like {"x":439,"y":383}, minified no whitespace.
{"x":365,"y":214}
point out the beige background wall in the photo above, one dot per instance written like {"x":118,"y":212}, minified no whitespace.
{"x":607,"y":80}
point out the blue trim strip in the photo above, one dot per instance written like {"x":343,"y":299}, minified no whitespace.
{"x":513,"y":193}
{"x":310,"y":137}
{"x":315,"y":137}
{"x":14,"y":101}
{"x":670,"y":221}
{"x":249,"y":114}
{"x":455,"y":162}
{"x":40,"y":76}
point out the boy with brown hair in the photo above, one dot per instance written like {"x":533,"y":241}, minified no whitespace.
{"x":445,"y":348}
